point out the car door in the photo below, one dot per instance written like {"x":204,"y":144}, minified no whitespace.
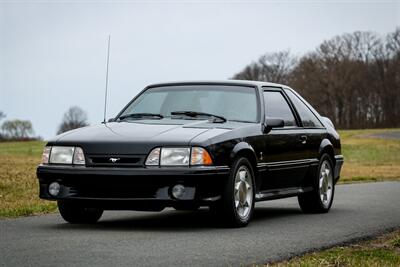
{"x":284,"y":148}
{"x":314,"y":129}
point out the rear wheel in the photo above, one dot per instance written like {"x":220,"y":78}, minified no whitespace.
{"x":237,"y":203}
{"x":320,"y":199}
{"x":73,"y":212}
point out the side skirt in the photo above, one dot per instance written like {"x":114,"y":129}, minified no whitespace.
{"x":281,"y":193}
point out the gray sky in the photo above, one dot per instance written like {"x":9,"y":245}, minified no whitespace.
{"x":53,"y":55}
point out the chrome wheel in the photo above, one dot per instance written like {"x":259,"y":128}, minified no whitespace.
{"x":243,"y":192}
{"x":325,"y":183}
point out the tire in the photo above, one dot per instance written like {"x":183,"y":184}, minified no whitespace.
{"x":73,"y":212}
{"x":320,"y":199}
{"x":236,"y":206}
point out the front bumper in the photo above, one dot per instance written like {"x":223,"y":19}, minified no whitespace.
{"x":339,"y":160}
{"x":125,"y":188}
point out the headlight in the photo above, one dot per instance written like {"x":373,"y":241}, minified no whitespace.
{"x":63,"y":155}
{"x":175,"y":156}
{"x":178,"y":156}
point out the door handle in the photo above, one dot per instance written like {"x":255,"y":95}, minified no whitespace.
{"x":303,"y":139}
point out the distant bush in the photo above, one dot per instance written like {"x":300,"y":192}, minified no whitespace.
{"x":17,"y":130}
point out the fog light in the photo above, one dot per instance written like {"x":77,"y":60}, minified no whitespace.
{"x":54,"y":189}
{"x":178,"y":191}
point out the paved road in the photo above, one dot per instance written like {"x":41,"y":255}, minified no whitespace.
{"x":388,"y":135}
{"x":175,"y":238}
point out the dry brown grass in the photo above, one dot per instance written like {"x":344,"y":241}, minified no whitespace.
{"x":19,"y":187}
{"x":357,"y":172}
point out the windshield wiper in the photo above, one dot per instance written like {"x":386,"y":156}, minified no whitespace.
{"x":141,"y":115}
{"x":198,"y":114}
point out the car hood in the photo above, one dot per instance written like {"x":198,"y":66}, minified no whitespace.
{"x":137,"y":137}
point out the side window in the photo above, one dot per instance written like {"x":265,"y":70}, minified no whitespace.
{"x":307,"y":117}
{"x":276,"y":106}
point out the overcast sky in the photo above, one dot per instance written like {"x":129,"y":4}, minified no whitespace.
{"x":53,"y":55}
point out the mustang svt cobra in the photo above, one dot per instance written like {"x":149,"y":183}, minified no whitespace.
{"x":225,"y":145}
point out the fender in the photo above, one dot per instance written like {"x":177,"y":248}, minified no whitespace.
{"x":247,"y":150}
{"x":241,"y":147}
{"x":327,"y":146}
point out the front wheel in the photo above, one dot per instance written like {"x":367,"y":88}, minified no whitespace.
{"x":320,"y":199}
{"x":73,"y":212}
{"x":237,"y":203}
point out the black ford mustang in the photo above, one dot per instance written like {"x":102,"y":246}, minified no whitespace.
{"x":224,"y":145}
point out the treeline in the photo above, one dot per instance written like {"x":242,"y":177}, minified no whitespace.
{"x":354,"y":79}
{"x":22,"y":130}
{"x":15,"y":130}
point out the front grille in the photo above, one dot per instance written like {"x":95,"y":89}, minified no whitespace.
{"x":116,"y":160}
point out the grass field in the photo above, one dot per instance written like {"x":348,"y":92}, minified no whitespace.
{"x":366,"y":159}
{"x":381,"y":251}
{"x":18,"y":183}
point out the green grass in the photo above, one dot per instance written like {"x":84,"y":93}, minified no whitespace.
{"x":19,"y":187}
{"x":382,"y":251}
{"x":28,"y":148}
{"x":360,"y":147}
{"x":366,"y":159}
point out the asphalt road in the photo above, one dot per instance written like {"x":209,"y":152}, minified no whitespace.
{"x":388,"y":135}
{"x":279,"y":230}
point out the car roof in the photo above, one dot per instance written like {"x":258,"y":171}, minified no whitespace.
{"x":219,"y":82}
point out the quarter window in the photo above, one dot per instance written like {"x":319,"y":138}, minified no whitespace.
{"x":276,"y":106}
{"x":307,"y":117}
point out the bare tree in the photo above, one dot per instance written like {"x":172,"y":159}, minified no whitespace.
{"x":353,"y":78}
{"x":17,"y":129}
{"x":2,"y":116}
{"x":271,"y":67}
{"x":74,"y":118}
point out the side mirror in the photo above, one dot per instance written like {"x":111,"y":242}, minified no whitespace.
{"x":271,"y":123}
{"x":111,"y":120}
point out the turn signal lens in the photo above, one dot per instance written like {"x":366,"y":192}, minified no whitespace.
{"x":200,"y":156}
{"x":154,"y":157}
{"x":79,"y":157}
{"x":46,"y":155}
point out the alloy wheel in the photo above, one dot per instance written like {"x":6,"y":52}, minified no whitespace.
{"x":325,"y":183}
{"x":243,"y":192}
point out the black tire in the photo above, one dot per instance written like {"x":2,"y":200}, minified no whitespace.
{"x":311,"y":202}
{"x":225,"y":209}
{"x":73,"y":212}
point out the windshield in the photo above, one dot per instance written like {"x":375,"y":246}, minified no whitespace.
{"x":236,"y":103}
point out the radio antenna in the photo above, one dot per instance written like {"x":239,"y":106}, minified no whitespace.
{"x":105,"y":95}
